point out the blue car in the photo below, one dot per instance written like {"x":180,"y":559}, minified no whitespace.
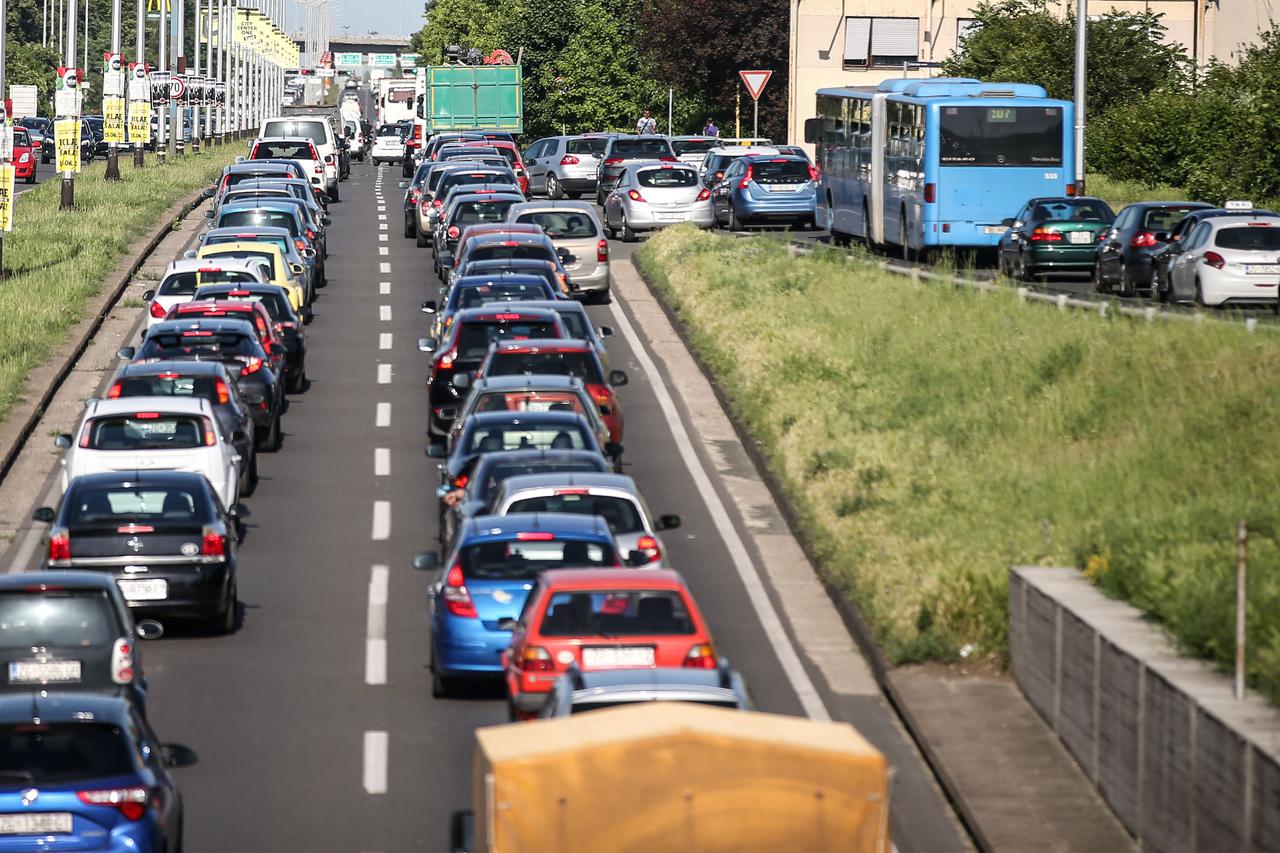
{"x":486,"y":578}
{"x":82,"y":771}
{"x":766,"y":190}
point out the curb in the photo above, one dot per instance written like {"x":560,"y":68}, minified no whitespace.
{"x":109,"y":295}
{"x":850,"y":613}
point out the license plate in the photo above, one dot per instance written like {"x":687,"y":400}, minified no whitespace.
{"x":669,"y":217}
{"x":1262,"y":269}
{"x":606,"y":657}
{"x":150,"y":589}
{"x":538,"y":405}
{"x":994,"y":229}
{"x":43,"y":672}
{"x":35,"y":823}
{"x":1080,"y":237}
{"x":784,"y":188}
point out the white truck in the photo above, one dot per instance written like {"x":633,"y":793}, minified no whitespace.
{"x":395,"y":99}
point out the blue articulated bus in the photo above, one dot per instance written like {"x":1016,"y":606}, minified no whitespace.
{"x":918,"y":165}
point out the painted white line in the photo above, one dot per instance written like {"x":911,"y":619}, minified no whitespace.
{"x":384,"y":313}
{"x":375,"y":643}
{"x":383,"y":250}
{"x":809,"y":697}
{"x":384,"y":288}
{"x":384,"y":340}
{"x":384,"y":267}
{"x":382,"y":237}
{"x":382,"y":415}
{"x":382,"y":462}
{"x":382,"y":226}
{"x":382,"y":217}
{"x":381,"y":520}
{"x":382,"y":207}
{"x":384,"y":374}
{"x":375,"y":762}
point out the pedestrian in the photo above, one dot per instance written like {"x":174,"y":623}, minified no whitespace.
{"x":711,"y":129}
{"x":646,"y":124}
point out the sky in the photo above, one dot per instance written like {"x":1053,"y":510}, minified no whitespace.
{"x":385,"y":17}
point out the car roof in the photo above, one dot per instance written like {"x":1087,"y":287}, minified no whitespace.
{"x":548,"y":344}
{"x":502,"y":277}
{"x":248,"y":166}
{"x":1220,"y":222}
{"x":527,"y":238}
{"x":502,"y":307}
{"x":743,"y":150}
{"x":204,"y":324}
{"x":612,"y":578}
{"x":58,"y":706}
{"x":561,"y":306}
{"x":196,"y":264}
{"x":217,"y":249}
{"x":490,"y":196}
{"x":1154,"y":205}
{"x":650,"y":677}
{"x":265,"y":230}
{"x":515,"y":457}
{"x":265,"y":204}
{"x":65,"y":580}
{"x":169,"y":405}
{"x":560,"y":523}
{"x":140,"y":476}
{"x":550,"y":204}
{"x":186,"y":367}
{"x":306,"y":139}
{"x":485,"y":419}
{"x":529,"y":381}
{"x":572,"y":479}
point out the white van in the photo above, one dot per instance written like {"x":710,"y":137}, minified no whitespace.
{"x":313,"y":126}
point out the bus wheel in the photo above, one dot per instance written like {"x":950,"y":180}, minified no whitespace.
{"x":907,"y":254}
{"x":866,"y":226}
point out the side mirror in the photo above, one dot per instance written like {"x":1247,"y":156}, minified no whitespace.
{"x":239,"y":436}
{"x":308,"y":253}
{"x":508,"y":624}
{"x":326,"y":221}
{"x":436,"y":450}
{"x":637,"y":558}
{"x":177,"y":755}
{"x":149,"y":629}
{"x":297,"y":269}
{"x":239,"y":158}
{"x":606,"y":331}
{"x":126,"y":353}
{"x":404,"y":185}
{"x":618,"y":378}
{"x":148,"y":295}
{"x":426,"y":344}
{"x":1162,"y":236}
{"x":189,"y":254}
{"x":307,"y":316}
{"x":44,"y":515}
{"x":448,"y":413}
{"x":1007,"y":223}
{"x":462,"y":381}
{"x":668,"y":522}
{"x":426,"y":561}
{"x":612,"y":449}
{"x":208,"y":214}
{"x":429,"y":307}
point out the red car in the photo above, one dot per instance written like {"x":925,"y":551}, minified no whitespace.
{"x":24,"y":156}
{"x":511,"y":152}
{"x":240,"y":309}
{"x":566,"y":357}
{"x":602,"y":619}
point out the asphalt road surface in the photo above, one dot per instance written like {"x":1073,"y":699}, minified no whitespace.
{"x":314,"y":722}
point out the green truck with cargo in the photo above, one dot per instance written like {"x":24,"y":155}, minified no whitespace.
{"x":469,"y":97}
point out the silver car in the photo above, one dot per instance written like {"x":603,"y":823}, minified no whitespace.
{"x":693,"y":149}
{"x":561,"y":166}
{"x":652,"y":195}
{"x":574,"y":227}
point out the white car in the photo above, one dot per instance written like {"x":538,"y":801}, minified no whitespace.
{"x":1229,"y":260}
{"x":299,"y":149}
{"x":183,"y":277}
{"x":152,"y":434}
{"x":313,"y":126}
{"x":388,"y":145}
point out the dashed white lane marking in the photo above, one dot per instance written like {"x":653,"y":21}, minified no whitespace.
{"x":383,"y":250}
{"x":382,"y":217}
{"x":375,"y":644}
{"x":382,"y":226}
{"x":382,"y":207}
{"x":382,"y":237}
{"x":384,"y":313}
{"x":375,"y":762}
{"x":384,"y":288}
{"x":384,"y":374}
{"x":382,"y":415}
{"x":384,"y":267}
{"x":382,"y":462}
{"x":381,"y":520}
{"x":384,"y":340}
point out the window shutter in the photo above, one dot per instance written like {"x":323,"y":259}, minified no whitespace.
{"x":857,"y":39}
{"x":895,"y":37}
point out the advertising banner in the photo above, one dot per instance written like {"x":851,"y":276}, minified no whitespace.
{"x":139,"y":85}
{"x":6,"y":197}
{"x":140,"y":121}
{"x":66,"y":94}
{"x":66,"y":137}
{"x":112,"y":75}
{"x":113,"y":119}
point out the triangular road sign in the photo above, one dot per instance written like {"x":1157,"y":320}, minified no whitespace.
{"x":755,"y":81}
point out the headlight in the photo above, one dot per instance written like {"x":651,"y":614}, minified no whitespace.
{"x":24,"y":158}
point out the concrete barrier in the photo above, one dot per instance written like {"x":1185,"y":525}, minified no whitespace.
{"x":1184,"y":765}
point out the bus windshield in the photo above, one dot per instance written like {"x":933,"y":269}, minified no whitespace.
{"x":1000,"y":136}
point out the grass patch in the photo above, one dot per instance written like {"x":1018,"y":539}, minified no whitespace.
{"x":1119,"y":193}
{"x":931,"y":437}
{"x":54,"y":260}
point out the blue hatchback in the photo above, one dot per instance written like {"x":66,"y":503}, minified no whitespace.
{"x":763,"y":189}
{"x":488,"y":576}
{"x":81,"y":771}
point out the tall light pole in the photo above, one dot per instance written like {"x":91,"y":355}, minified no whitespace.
{"x":180,"y":51}
{"x":113,"y":148}
{"x":162,"y":108}
{"x":175,"y":48}
{"x":140,"y":55}
{"x":1082,"y":70}
{"x":195,"y":101}
{"x":69,"y":177}
{"x":4,"y":161}
{"x":210,"y":75}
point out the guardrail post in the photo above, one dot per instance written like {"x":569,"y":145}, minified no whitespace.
{"x":1062,"y":302}
{"x":1150,"y":314}
{"x":1102,"y":308}
{"x":1250,"y":324}
{"x":1022,"y":294}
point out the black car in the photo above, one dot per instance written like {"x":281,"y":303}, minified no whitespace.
{"x":620,"y":150}
{"x":96,"y":127}
{"x":291,"y":327}
{"x":235,"y":343}
{"x":163,"y":536}
{"x":469,"y":493}
{"x":1124,"y":255}
{"x":487,"y":203}
{"x":41,"y":130}
{"x":1164,"y":255}
{"x":68,"y":631}
{"x":207,"y":379}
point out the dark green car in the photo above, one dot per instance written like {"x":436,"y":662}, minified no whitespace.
{"x":1054,"y":236}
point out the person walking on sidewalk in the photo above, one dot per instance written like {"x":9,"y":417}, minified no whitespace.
{"x":647,"y":124}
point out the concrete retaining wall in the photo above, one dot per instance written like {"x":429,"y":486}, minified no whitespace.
{"x":1185,"y":767}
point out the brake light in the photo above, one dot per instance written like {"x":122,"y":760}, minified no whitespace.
{"x":453,"y":232}
{"x":536,"y":659}
{"x":213,"y":543}
{"x":572,"y":491}
{"x":437,"y":203}
{"x":456,"y":598}
{"x":634,"y":195}
{"x":460,"y":481}
{"x":815,"y":176}
{"x":568,"y":160}
{"x":224,"y":393}
{"x":414,"y":195}
{"x":668,"y":160}
{"x":613,"y":161}
{"x":602,"y":251}
{"x":130,"y":802}
{"x":930,"y":190}
{"x":253,"y":155}
{"x":299,"y":244}
{"x":156,"y":310}
{"x":210,"y":437}
{"x":1143,"y":240}
{"x":122,"y":661}
{"x":147,"y":416}
{"x":1046,"y":235}
{"x":239,"y":293}
{"x":535,"y":536}
{"x":253,"y":365}
{"x":311,"y":234}
{"x":417,"y":133}
{"x":510,"y":244}
{"x":649,"y":546}
{"x":1214,"y":260}
{"x":59,"y":545}
{"x":114,"y":392}
{"x":704,"y":195}
{"x":746,"y":179}
{"x":1071,"y":189}
{"x":701,"y":656}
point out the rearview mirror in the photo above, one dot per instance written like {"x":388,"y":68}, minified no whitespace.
{"x":125,"y":353}
{"x":618,"y":378}
{"x":1008,"y":223}
{"x":429,"y":307}
{"x":239,"y":436}
{"x":326,"y":221}
{"x":277,"y":349}
{"x":462,"y":381}
{"x":177,"y":755}
{"x":297,"y":269}
{"x":148,"y":295}
{"x":426,"y":561}
{"x":637,"y":558}
{"x":62,"y":440}
{"x":613,"y":450}
{"x":436,"y":450}
{"x":208,"y":214}
{"x":404,"y":185}
{"x":307,"y":316}
{"x":1162,"y":236}
{"x":426,"y":344}
{"x":668,"y":522}
{"x":189,"y":254}
{"x":239,"y":158}
{"x":308,"y":253}
{"x":448,"y":413}
{"x":44,"y":515}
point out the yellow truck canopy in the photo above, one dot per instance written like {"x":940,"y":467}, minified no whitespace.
{"x":658,"y":776}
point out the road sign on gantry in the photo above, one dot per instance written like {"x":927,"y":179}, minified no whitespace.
{"x":755,"y":81}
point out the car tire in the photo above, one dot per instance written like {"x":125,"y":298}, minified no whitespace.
{"x":336,"y":195}
{"x":272,"y":440}
{"x":253,"y":472}
{"x":410,"y":229}
{"x":1199,"y":295}
{"x":419,"y":239}
{"x":298,"y":381}
{"x":224,"y":620}
{"x":441,"y":687}
{"x":512,"y":715}
{"x":628,"y":236}
{"x":599,"y":198}
{"x":1020,"y":270}
{"x":733,"y":224}
{"x":1099,"y":280}
{"x":573,"y":196}
{"x":1126,"y":283}
{"x":554,"y":191}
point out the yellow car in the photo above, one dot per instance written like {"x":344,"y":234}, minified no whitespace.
{"x":281,"y":272}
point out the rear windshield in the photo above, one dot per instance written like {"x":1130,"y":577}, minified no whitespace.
{"x":693,"y":146}
{"x":58,"y":753}
{"x":590,"y":146}
{"x":145,"y":431}
{"x":269,"y":258}
{"x":241,"y":177}
{"x":1248,"y":238}
{"x":389,"y":130}
{"x":640,"y":149}
{"x":620,"y":613}
{"x":473,"y":297}
{"x":277,"y":304}
{"x":1165,"y":219}
{"x":499,"y":473}
{"x":466,"y":154}
{"x":185,"y":283}
{"x":530,"y":401}
{"x":524,"y":436}
{"x":580,"y":364}
{"x":445,"y":180}
{"x":400,"y":95}
{"x":259,"y":219}
{"x":199,"y":344}
{"x":310,"y":129}
{"x":283,"y":151}
{"x":561,"y":225}
{"x":282,"y":242}
{"x":779,"y":172}
{"x":514,"y":560}
{"x":574,"y":323}
{"x":523,"y":251}
{"x":79,"y":617}
{"x":542,"y":269}
{"x":155,"y":504}
{"x":475,"y":335}
{"x":471,"y":212}
{"x":1084,"y":210}
{"x":169,"y":385}
{"x":673,"y":178}
{"x":620,"y":514}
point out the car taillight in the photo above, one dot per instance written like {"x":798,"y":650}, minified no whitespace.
{"x":668,"y":160}
{"x":1071,"y":189}
{"x":1215,"y":260}
{"x":704,"y":195}
{"x":213,"y":543}
{"x":930,"y":190}
{"x":460,"y":481}
{"x":224,"y":393}
{"x":210,"y":437}
{"x":122,"y":662}
{"x":634,"y":195}
{"x":59,"y":544}
{"x":569,"y":160}
{"x":815,"y":175}
{"x":453,"y":232}
{"x":602,"y":251}
{"x":114,"y":392}
{"x":300,"y":244}
{"x":649,"y":546}
{"x":746,"y":179}
{"x":437,"y":203}
{"x":701,"y":656}
{"x":130,"y":802}
{"x":537,"y":659}
{"x":456,"y":597}
{"x":319,"y":170}
{"x":414,"y":195}
{"x":156,"y":310}
{"x":253,"y":365}
{"x":311,"y":235}
{"x":1143,"y":240}
{"x":613,"y":161}
{"x":417,"y":133}
{"x":1046,"y":235}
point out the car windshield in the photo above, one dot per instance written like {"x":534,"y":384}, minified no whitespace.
{"x":309,"y":129}
{"x":198,"y":344}
{"x":1071,"y":210}
{"x":640,"y":149}
{"x":58,"y":753}
{"x":519,"y":251}
{"x":475,"y":336}
{"x":667,"y":178}
{"x":525,"y":558}
{"x":276,"y":303}
{"x":388,"y":130}
{"x":530,"y":401}
{"x":20,"y":138}
{"x":171,"y":384}
{"x":69,"y":617}
{"x":144,"y":431}
{"x":158,"y":505}
{"x":1250,"y":238}
{"x":693,"y":146}
{"x":471,"y":212}
{"x":591,"y":146}
{"x":1165,"y":219}
{"x":283,"y":151}
{"x":766,"y":172}
{"x":621,"y":514}
{"x":259,"y":218}
{"x":580,"y":364}
{"x":561,"y":225}
{"x":186,"y":283}
{"x":525,"y":435}
{"x":474,"y":296}
{"x":616,"y":613}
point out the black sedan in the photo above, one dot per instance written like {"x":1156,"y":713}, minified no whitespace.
{"x":163,"y":535}
{"x":1124,"y":255}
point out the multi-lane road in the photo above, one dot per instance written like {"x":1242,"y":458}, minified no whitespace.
{"x":314,"y":722}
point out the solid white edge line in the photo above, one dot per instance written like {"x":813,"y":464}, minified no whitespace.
{"x":384,"y":313}
{"x":381,"y":520}
{"x":788,"y":657}
{"x":382,"y":415}
{"x":382,"y":461}
{"x":375,"y":650}
{"x":375,"y":762}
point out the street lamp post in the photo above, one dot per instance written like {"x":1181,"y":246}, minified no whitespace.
{"x":162,"y":109}
{"x":195,"y":100}
{"x":68,"y":178}
{"x":140,"y":55}
{"x":180,"y":54}
{"x":1082,"y":70}
{"x":113,"y":148}
{"x":4,"y":160}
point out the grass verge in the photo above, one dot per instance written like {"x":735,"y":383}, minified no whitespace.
{"x":1119,"y":193}
{"x":54,"y":260}
{"x":930,"y":437}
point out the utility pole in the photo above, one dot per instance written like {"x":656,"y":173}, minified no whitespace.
{"x":69,"y":178}
{"x":180,"y":52}
{"x":211,"y":75}
{"x":84,"y":68}
{"x":140,"y":54}
{"x":7,"y":153}
{"x":1082,"y":70}
{"x":171,"y":106}
{"x":195,"y":100}
{"x":162,"y":108}
{"x":113,"y":148}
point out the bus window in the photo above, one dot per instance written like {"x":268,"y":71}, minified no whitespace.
{"x":1000,"y":136}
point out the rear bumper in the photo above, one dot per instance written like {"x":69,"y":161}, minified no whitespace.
{"x":642,"y":217}
{"x":800,"y":206}
{"x":1062,"y":259}
{"x":466,"y":651}
{"x":597,"y":281}
{"x":575,"y":184}
{"x":1224,"y":288}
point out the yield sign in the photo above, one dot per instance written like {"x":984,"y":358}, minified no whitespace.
{"x":755,"y":81}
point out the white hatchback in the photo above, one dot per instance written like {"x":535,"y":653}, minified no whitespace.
{"x":388,"y":145}
{"x":152,"y":434}
{"x":182,"y":278}
{"x":1229,"y":260}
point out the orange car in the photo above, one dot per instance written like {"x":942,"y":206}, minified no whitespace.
{"x":602,"y":619}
